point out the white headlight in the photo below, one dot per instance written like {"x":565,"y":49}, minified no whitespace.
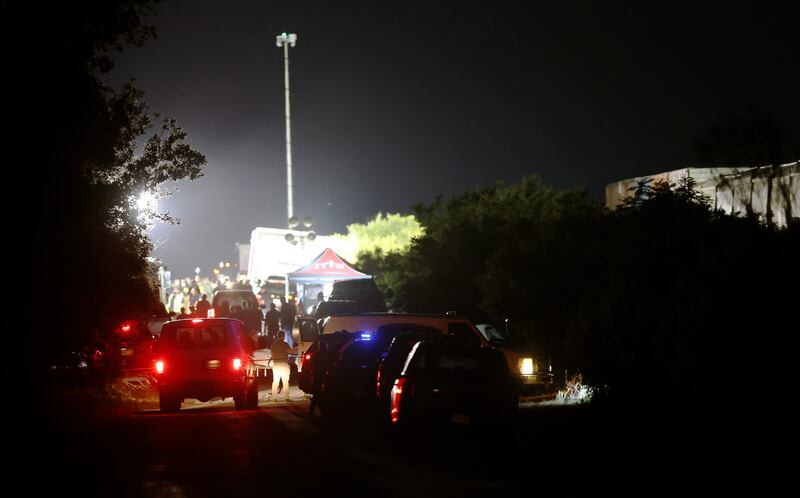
{"x":526,"y":366}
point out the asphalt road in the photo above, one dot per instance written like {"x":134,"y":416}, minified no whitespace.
{"x":278,"y":450}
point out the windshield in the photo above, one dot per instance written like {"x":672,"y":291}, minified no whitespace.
{"x":490,"y":332}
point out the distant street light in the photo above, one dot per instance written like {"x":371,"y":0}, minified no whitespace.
{"x":284,"y":40}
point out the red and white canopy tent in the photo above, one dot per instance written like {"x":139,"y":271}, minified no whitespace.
{"x":327,"y":267}
{"x":321,"y":273}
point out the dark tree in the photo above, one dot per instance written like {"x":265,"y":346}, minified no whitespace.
{"x":91,"y":150}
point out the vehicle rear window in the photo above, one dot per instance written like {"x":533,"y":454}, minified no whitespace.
{"x":235,"y":299}
{"x":211,"y":336}
{"x":359,"y":352}
{"x":437,"y":360}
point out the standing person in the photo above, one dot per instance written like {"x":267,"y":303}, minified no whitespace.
{"x":288,"y":312}
{"x":273,"y":319}
{"x":280,"y":365}
{"x":194,"y":296}
{"x":320,"y":300}
{"x":175,"y":301}
{"x":252,"y":318}
{"x":203,"y":306}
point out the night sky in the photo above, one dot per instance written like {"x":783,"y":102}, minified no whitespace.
{"x":394,"y":103}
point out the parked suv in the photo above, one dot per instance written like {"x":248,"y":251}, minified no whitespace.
{"x":230,"y":298}
{"x":448,"y":381}
{"x":204,"y":358}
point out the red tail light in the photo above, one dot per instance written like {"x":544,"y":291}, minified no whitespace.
{"x":197,"y":320}
{"x":160,"y":366}
{"x":237,"y":363}
{"x":306,"y":357}
{"x":397,"y":393}
{"x":126,"y":327}
{"x":378,"y":384}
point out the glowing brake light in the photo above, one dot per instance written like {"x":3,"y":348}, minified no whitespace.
{"x":308,"y":357}
{"x":237,"y":363}
{"x":126,"y":327}
{"x":160,"y":366}
{"x":197,"y":320}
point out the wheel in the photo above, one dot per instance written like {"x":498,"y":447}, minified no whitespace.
{"x":252,"y":397}
{"x":240,"y":400}
{"x":169,"y":402}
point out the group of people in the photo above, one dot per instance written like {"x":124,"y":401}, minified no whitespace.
{"x":197,"y":310}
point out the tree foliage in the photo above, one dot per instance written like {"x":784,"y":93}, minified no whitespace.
{"x":98,"y":148}
{"x":656,"y":297}
{"x":386,"y":233}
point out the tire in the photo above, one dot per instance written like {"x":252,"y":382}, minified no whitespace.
{"x":252,"y":397}
{"x":240,"y":401}
{"x":169,"y":403}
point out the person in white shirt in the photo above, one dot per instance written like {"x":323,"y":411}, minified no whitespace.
{"x":280,"y":365}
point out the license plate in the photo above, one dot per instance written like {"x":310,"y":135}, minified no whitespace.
{"x":126,"y":352}
{"x":213,"y":364}
{"x":460,"y":418}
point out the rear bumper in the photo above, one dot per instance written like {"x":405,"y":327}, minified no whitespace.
{"x":205,"y":389}
{"x":533,"y":385}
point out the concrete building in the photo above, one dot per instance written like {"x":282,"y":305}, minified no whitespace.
{"x":730,"y":189}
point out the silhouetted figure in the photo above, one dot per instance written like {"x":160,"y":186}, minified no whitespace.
{"x":288,"y":313}
{"x":273,"y":320}
{"x":320,"y":300}
{"x":203,"y":306}
{"x":182,"y":315}
{"x":251,"y":317}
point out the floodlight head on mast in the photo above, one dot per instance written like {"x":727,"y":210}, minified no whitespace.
{"x":290,"y":38}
